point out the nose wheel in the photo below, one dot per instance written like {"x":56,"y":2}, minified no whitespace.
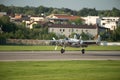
{"x":62,"y":51}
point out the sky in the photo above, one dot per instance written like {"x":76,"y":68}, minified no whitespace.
{"x":71,"y":4}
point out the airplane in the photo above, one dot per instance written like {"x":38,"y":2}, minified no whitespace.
{"x":74,"y":42}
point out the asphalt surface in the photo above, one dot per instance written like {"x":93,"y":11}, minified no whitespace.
{"x":56,"y":55}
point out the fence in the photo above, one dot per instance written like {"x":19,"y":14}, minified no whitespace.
{"x":27,"y":42}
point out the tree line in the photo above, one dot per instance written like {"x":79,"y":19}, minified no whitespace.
{"x":27,"y":10}
{"x":9,"y":30}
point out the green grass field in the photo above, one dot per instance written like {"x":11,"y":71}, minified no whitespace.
{"x":51,"y":48}
{"x":60,"y":70}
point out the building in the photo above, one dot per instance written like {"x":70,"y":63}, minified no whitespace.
{"x":67,"y":29}
{"x":30,"y":24}
{"x":3,"y":14}
{"x":36,"y":19}
{"x":91,"y":20}
{"x":19,"y":18}
{"x":62,"y":18}
{"x":108,"y":22}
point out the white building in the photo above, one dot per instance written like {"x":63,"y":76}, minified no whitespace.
{"x":36,"y":19}
{"x":30,"y":24}
{"x":108,"y":22}
{"x":90,"y":20}
{"x":3,"y":14}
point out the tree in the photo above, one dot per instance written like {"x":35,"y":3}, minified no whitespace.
{"x":116,"y":34}
{"x":30,"y":12}
{"x":104,"y":35}
{"x":88,"y":11}
{"x":7,"y":26}
{"x":5,"y":19}
{"x":115,"y":12}
{"x":37,"y":26}
{"x":3,"y":8}
{"x":84,"y":36}
{"x":77,"y":21}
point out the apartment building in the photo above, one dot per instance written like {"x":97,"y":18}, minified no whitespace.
{"x":67,"y":29}
{"x":91,"y":20}
{"x":108,"y":22}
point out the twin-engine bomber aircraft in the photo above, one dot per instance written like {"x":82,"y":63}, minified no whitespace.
{"x":74,"y":42}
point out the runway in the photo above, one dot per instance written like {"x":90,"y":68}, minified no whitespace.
{"x":56,"y":55}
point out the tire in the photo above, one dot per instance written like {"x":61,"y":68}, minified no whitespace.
{"x":62,"y":51}
{"x":83,"y":51}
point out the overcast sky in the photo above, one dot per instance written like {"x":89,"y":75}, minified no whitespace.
{"x":71,"y":4}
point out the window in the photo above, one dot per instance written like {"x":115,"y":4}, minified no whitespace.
{"x":72,"y":30}
{"x":63,"y":30}
{"x":69,"y":30}
{"x":60,"y":30}
{"x":86,"y":30}
{"x":76,"y":30}
{"x":103,"y":24}
{"x":81,"y":30}
{"x":52,"y":30}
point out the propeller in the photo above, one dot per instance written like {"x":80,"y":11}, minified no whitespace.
{"x":55,"y":43}
{"x":56,"y":47}
{"x":59,"y":42}
{"x":53,"y":38}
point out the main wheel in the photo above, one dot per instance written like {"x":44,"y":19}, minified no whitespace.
{"x":62,"y":51}
{"x":83,"y":51}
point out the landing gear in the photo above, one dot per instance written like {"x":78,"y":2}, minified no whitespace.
{"x":62,"y":51}
{"x":83,"y":51}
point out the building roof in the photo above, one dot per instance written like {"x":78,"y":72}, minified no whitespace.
{"x":66,"y":16}
{"x":72,"y":26}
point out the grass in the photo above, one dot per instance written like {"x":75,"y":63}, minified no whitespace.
{"x":51,"y":48}
{"x":60,"y":70}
